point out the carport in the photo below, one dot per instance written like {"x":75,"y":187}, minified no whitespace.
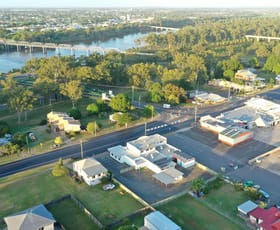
{"x":169,"y":176}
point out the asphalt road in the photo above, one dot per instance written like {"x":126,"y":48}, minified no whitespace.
{"x":171,"y":121}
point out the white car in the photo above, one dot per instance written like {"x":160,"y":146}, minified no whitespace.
{"x":108,"y":187}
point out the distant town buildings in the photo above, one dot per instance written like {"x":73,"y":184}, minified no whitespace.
{"x":234,"y":126}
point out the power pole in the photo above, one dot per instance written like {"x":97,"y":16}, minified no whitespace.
{"x":132,"y":97}
{"x":82,"y":151}
{"x":195,"y":114}
{"x":145,"y":128}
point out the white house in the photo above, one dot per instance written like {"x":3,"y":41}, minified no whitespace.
{"x":90,"y":170}
{"x":35,"y":218}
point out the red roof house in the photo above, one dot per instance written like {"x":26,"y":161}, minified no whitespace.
{"x":266,"y":219}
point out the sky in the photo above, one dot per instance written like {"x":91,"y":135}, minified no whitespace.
{"x":140,"y":3}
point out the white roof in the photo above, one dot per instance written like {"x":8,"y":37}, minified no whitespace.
{"x":247,"y":207}
{"x":161,"y":222}
{"x":148,"y":142}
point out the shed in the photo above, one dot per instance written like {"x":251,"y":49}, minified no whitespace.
{"x":246,"y":207}
{"x":157,"y":221}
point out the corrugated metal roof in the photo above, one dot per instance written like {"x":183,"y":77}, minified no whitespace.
{"x":161,"y":222}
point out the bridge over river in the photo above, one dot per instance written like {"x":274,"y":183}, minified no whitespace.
{"x":45,"y":46}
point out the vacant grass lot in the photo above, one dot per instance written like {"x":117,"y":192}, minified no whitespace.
{"x":191,"y":213}
{"x":23,"y":191}
{"x":70,"y":216}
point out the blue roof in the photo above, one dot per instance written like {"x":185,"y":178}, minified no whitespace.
{"x":161,"y":222}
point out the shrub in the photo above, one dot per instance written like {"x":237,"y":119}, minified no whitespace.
{"x":58,"y":140}
{"x":4,"y":128}
{"x":59,"y":169}
{"x":43,"y":122}
{"x":75,"y":113}
{"x":92,"y":109}
{"x":71,"y":134}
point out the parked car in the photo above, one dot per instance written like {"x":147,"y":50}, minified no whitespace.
{"x":265,"y":196}
{"x":257,"y":187}
{"x":108,"y":187}
{"x":248,"y":183}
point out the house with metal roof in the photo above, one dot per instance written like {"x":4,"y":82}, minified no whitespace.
{"x":157,"y":221}
{"x":90,"y":170}
{"x":35,"y":218}
{"x":265,"y":219}
{"x":245,"y":75}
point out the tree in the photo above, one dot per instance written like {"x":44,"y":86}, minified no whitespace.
{"x":149,"y":111}
{"x":173,"y":93}
{"x":120,"y":103}
{"x":155,"y":92}
{"x":4,"y":128}
{"x":73,"y":90}
{"x":59,"y":169}
{"x":198,"y":185}
{"x":20,"y":100}
{"x":92,"y":127}
{"x":75,"y":113}
{"x":92,"y":108}
{"x":122,"y":118}
{"x":58,"y":140}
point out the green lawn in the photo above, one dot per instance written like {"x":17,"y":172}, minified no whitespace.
{"x":191,"y":213}
{"x":29,"y":190}
{"x":70,"y":216}
{"x":226,"y":199}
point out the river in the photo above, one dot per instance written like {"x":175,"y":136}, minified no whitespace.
{"x":16,"y":60}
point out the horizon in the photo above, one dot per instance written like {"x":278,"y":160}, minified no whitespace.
{"x":175,"y":4}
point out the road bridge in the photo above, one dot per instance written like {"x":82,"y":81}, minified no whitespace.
{"x":258,"y":37}
{"x":72,"y":48}
{"x":163,"y":28}
{"x":45,"y":46}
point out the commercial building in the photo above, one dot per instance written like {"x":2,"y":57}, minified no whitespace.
{"x":154,"y":153}
{"x":235,"y":135}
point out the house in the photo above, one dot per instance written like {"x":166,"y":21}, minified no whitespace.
{"x":157,"y":221}
{"x":245,"y":75}
{"x":64,"y":122}
{"x":246,"y":207}
{"x":90,"y":170}
{"x":265,"y":219}
{"x":35,"y":218}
